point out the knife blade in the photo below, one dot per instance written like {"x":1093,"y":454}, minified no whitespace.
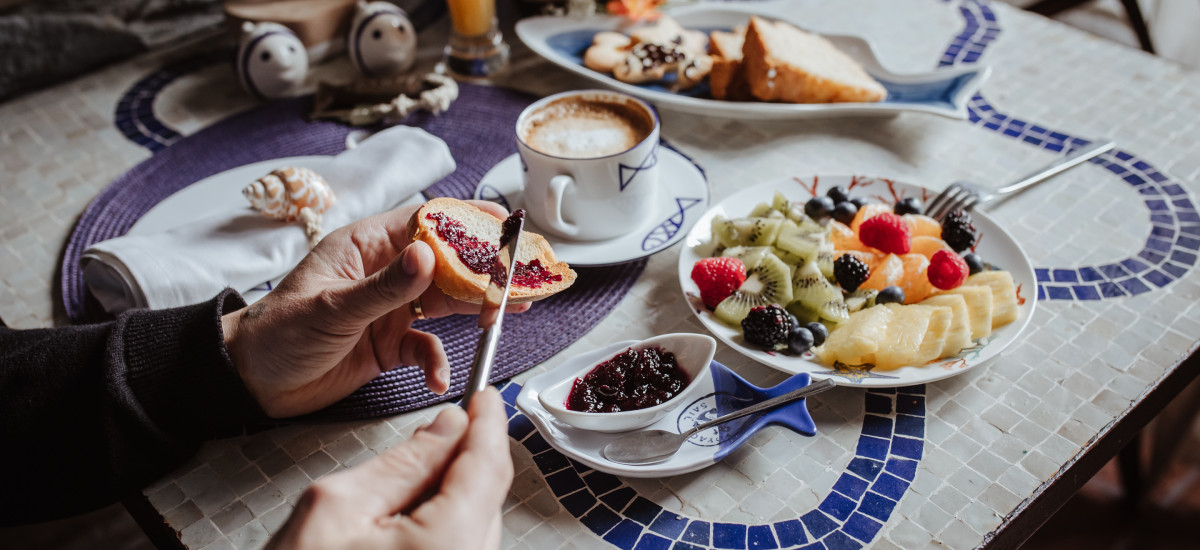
{"x":495,"y":298}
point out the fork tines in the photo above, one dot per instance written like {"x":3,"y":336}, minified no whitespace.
{"x":955,"y":197}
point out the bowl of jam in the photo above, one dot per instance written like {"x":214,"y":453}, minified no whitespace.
{"x":634,"y":388}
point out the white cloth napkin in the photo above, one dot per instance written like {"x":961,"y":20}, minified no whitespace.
{"x":241,"y":248}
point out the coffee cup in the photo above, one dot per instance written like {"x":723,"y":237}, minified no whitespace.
{"x":590,"y":161}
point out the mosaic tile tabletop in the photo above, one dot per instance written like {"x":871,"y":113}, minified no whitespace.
{"x":940,"y":465}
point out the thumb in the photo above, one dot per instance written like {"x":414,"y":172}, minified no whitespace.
{"x":400,"y":477}
{"x":400,"y":282}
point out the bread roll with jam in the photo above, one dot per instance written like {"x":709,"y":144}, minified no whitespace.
{"x":465,"y":240}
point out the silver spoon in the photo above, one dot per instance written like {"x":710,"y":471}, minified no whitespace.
{"x":652,"y":446}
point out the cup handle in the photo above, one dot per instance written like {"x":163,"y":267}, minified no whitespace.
{"x":554,"y":197}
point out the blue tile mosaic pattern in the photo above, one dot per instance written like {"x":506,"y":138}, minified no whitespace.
{"x":1170,"y":248}
{"x":862,"y":499}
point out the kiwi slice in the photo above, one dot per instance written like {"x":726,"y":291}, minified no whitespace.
{"x":780,"y":202}
{"x":802,"y":313}
{"x":747,"y":231}
{"x":861,"y":299}
{"x":750,"y":256}
{"x":766,"y":283}
{"x":798,"y":241}
{"x":787,"y":257}
{"x":815,"y":292}
{"x":761,"y":210}
{"x":825,"y":256}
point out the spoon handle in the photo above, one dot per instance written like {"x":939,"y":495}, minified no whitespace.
{"x":794,"y":395}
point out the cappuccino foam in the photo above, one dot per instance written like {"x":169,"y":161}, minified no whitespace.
{"x":579,"y":128}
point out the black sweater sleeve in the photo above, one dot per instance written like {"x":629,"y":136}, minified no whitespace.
{"x":90,"y":414}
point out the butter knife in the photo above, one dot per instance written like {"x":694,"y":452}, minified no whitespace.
{"x":491,"y":316}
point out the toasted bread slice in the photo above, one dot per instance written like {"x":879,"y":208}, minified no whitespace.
{"x":784,"y":63}
{"x":727,"y":44}
{"x":727,"y":78}
{"x":464,"y":276}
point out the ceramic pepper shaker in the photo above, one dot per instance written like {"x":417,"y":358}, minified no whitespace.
{"x":271,"y":60}
{"x":381,"y":40}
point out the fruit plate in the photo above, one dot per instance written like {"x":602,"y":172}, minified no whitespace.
{"x":943,"y":92}
{"x":995,"y":246}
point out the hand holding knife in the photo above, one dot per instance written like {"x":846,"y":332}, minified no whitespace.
{"x":491,"y":316}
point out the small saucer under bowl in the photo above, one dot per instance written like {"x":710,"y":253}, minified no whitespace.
{"x":682,"y":198}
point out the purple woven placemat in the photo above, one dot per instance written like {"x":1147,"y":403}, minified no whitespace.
{"x":478,"y":130}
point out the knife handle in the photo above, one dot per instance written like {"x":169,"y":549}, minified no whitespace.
{"x":481,"y":369}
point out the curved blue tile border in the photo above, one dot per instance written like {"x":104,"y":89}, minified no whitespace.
{"x":1172,"y":246}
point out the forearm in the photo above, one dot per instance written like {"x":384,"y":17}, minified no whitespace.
{"x":90,"y":414}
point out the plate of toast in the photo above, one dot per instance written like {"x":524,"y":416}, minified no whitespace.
{"x":743,"y":62}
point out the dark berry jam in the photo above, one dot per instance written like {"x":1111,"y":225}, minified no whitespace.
{"x":533,"y":275}
{"x":480,"y":256}
{"x":630,"y":381}
{"x":477,"y":255}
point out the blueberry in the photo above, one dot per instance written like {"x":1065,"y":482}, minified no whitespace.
{"x":819,"y":332}
{"x":890,"y":295}
{"x":800,"y":340}
{"x":974,"y":263}
{"x":818,"y":208}
{"x":838,"y":194}
{"x":859,"y":202}
{"x":909,"y":205}
{"x":844,"y":212}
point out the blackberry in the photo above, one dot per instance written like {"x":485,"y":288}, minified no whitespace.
{"x":958,"y":231}
{"x":767,"y":327}
{"x":818,"y":208}
{"x":908,"y":205}
{"x":819,"y":332}
{"x":844,"y":212}
{"x":838,"y":194}
{"x":850,"y":272}
{"x":974,"y":263}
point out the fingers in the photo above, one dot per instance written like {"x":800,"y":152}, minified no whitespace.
{"x":425,"y":350}
{"x":476,"y":483}
{"x":435,"y":303}
{"x":400,"y":282}
{"x":395,"y":480}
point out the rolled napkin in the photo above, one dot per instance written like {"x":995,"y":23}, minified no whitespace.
{"x":241,"y":248}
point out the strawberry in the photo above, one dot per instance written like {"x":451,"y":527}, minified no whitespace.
{"x":718,"y":278}
{"x":886,"y":232}
{"x":947,"y":270}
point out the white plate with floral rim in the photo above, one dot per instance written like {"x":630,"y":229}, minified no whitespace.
{"x":995,"y":246}
{"x":943,"y":92}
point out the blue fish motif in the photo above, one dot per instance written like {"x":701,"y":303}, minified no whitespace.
{"x":663,"y":232}
{"x":626,"y":173}
{"x":489,"y":193}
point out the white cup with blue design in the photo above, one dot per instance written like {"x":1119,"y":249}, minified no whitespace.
{"x":590,"y":161}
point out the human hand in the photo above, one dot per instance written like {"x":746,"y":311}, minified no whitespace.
{"x":384,"y":502}
{"x":342,"y":317}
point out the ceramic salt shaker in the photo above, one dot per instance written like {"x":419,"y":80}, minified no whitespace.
{"x":271,"y":60}
{"x":381,"y":40}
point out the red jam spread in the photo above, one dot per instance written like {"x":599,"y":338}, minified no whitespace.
{"x":479,"y":256}
{"x":630,"y":381}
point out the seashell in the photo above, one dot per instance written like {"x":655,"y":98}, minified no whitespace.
{"x":283,"y":193}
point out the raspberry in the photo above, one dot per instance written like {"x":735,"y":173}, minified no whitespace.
{"x":850,"y":272}
{"x":767,"y":327}
{"x":947,"y":270}
{"x":958,"y":231}
{"x":886,"y":232}
{"x":718,"y":278}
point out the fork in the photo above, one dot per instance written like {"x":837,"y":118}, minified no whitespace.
{"x":965,"y":196}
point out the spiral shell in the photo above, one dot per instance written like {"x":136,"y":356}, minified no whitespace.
{"x":281,"y":194}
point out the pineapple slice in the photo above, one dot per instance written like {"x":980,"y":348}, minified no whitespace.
{"x":936,"y":336}
{"x":859,"y":337}
{"x":905,"y":333}
{"x":959,"y":335}
{"x":1004,"y":295}
{"x":979,"y":306}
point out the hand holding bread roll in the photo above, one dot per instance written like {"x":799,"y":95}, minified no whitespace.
{"x":465,"y":239}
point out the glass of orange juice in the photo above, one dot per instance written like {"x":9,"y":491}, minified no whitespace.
{"x":476,"y":49}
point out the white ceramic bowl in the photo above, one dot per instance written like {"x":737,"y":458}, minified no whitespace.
{"x":693,"y":353}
